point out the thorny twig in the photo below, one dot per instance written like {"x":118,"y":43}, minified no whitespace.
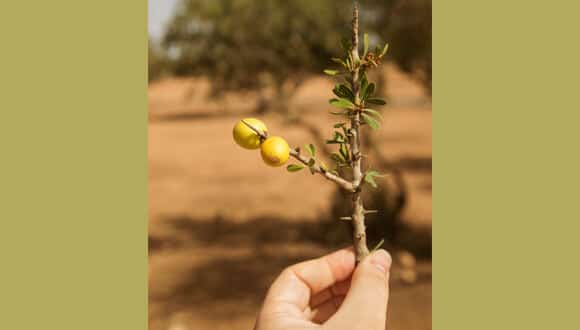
{"x":358,"y":213}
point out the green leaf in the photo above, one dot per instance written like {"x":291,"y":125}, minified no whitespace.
{"x":365,"y":44}
{"x":341,"y":92}
{"x":376,"y":101}
{"x":337,"y":139}
{"x":339,"y":61}
{"x":348,"y":63}
{"x":339,"y":125}
{"x":373,"y":173}
{"x":341,"y":103}
{"x":371,"y":121}
{"x":311,"y":150}
{"x":347,"y":91}
{"x":370,"y":178}
{"x":294,"y":167}
{"x":363,"y":84}
{"x":344,"y":151}
{"x":323,"y":166}
{"x":370,"y":90}
{"x":367,"y":91}
{"x":384,"y":50}
{"x":344,"y":92}
{"x":337,"y":158}
{"x":331,"y":72}
{"x":311,"y":162}
{"x":373,"y":112}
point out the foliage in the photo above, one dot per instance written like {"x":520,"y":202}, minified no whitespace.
{"x":237,"y":41}
{"x":353,"y":98}
{"x":407,"y":26}
{"x":158,"y":63}
{"x":250,"y":43}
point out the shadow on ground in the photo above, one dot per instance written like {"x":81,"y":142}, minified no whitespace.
{"x":183,"y":232}
{"x":215,"y":270}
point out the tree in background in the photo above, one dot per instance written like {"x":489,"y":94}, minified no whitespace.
{"x":255,"y":44}
{"x":406,"y":24}
{"x":251,"y":44}
{"x":158,"y":63}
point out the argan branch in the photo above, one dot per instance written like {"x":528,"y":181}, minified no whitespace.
{"x":348,"y":186}
{"x":358,"y":216}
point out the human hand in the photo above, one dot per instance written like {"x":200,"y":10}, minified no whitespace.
{"x":329,"y":293}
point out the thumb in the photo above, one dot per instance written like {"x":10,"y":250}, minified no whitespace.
{"x":365,"y":305}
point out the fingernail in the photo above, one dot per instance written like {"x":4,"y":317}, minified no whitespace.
{"x":381,"y":259}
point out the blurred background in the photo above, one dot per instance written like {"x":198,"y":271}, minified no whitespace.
{"x":222,"y":224}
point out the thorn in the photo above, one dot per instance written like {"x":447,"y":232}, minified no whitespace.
{"x":345,"y":218}
{"x":378,"y":246}
{"x":370,"y":211}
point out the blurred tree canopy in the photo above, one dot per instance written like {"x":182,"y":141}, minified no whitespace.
{"x":406,"y":26}
{"x":251,"y":43}
{"x":233,"y":41}
{"x":158,"y":63}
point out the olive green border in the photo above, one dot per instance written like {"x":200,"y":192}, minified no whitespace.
{"x":505,"y":146}
{"x":73,"y":178}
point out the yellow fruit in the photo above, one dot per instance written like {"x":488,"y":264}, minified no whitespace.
{"x":245,"y":137}
{"x":275,"y":151}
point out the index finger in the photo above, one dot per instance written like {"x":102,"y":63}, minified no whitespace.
{"x":292,"y":290}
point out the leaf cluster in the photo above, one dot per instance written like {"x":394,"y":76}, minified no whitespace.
{"x":352,"y":99}
{"x":346,"y":101}
{"x":351,"y":103}
{"x":236,"y":41}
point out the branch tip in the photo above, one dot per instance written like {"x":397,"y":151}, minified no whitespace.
{"x":262,"y":135}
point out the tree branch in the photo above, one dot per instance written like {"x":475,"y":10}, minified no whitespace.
{"x":358,"y":216}
{"x":348,"y":186}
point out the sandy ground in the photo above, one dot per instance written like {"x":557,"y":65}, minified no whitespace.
{"x":222,"y":224}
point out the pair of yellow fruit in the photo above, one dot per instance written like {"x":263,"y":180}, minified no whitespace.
{"x":275,"y":150}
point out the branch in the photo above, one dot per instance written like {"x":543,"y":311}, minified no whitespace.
{"x":358,"y":215}
{"x":348,"y":186}
{"x":263,"y":136}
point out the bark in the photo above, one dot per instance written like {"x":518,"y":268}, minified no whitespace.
{"x":358,"y":216}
